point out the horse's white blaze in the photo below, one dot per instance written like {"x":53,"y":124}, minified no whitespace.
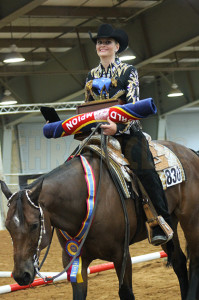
{"x":16,"y":220}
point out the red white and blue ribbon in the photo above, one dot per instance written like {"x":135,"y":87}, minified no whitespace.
{"x":72,"y":243}
{"x":84,"y":122}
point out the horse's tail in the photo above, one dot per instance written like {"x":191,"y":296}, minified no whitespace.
{"x":170,"y":249}
{"x":187,"y":252}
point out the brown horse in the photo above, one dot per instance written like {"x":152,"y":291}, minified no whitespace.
{"x":61,"y":195}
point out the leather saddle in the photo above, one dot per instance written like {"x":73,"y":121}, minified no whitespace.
{"x":122,"y":166}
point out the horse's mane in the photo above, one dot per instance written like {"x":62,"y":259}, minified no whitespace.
{"x":20,"y":208}
{"x":196,"y":152}
{"x":32,"y":184}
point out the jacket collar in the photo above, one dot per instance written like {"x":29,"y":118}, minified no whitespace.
{"x":111,"y":68}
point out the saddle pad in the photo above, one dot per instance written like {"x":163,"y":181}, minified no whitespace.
{"x":167,"y":165}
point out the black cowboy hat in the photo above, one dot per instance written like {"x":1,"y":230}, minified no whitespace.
{"x":107,"y":31}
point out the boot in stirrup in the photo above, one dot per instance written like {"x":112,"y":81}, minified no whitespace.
{"x":162,"y":233}
{"x":159,"y":232}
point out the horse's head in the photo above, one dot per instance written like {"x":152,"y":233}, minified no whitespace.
{"x":30,"y":230}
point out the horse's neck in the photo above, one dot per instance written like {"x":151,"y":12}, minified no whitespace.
{"x":65,"y":195}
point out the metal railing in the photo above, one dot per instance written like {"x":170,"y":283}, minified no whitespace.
{"x":31,"y":108}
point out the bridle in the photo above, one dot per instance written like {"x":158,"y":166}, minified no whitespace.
{"x":42,"y":229}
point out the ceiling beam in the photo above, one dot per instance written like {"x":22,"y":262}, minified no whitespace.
{"x":75,"y":11}
{"x":35,"y":56}
{"x":13,"y":71}
{"x":142,"y":10}
{"x":38,"y":43}
{"x":60,"y":63}
{"x":180,"y":108}
{"x":183,"y":54}
{"x":20,"y":8}
{"x":167,"y":52}
{"x":146,"y":36}
{"x":44,"y":29}
{"x":7,"y":86}
{"x":16,"y":71}
{"x":191,"y":86}
{"x":170,"y":68}
{"x":147,"y":70}
{"x":83,"y":52}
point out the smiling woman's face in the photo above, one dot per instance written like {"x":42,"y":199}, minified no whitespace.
{"x":106,"y":47}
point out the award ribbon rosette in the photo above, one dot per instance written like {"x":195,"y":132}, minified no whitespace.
{"x":74,"y":273}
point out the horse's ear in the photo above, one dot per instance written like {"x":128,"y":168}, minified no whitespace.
{"x":35,"y":192}
{"x":5,"y":189}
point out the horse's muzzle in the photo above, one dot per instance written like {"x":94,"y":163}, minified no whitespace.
{"x":24,"y":276}
{"x":25,"y":279}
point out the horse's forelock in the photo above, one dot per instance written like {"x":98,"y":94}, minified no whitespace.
{"x":19,"y":207}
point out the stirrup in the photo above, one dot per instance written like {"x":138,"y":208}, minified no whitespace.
{"x":159,"y":239}
{"x":154,"y":220}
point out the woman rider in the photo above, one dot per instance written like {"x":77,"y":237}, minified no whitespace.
{"x":124,"y":85}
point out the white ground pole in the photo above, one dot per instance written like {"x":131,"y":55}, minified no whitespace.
{"x":93,"y":269}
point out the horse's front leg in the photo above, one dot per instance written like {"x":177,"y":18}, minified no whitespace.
{"x":80,"y":289}
{"x":125,"y":291}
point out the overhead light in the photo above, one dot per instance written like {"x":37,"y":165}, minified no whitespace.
{"x":14,"y":56}
{"x":127,"y":55}
{"x":7,"y":99}
{"x":175,"y":92}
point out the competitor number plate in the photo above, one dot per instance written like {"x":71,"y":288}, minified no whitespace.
{"x":173,"y":176}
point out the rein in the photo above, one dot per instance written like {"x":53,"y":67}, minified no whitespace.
{"x":127,"y":229}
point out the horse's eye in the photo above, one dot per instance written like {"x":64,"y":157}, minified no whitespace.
{"x":34,"y":226}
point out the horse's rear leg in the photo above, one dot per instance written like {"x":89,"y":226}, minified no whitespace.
{"x":193,"y":279}
{"x":125,"y":291}
{"x":179,"y":261}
